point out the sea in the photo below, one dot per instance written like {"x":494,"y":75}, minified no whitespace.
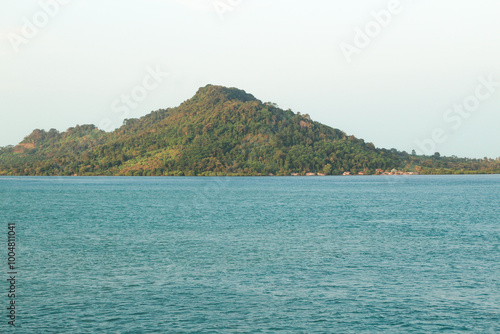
{"x":338,"y":254}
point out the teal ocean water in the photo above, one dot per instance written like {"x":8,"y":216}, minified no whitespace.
{"x":372,"y":254}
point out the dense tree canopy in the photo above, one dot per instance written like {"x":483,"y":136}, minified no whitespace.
{"x":220,"y":131}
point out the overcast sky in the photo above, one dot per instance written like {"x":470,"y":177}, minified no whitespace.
{"x":408,"y":75}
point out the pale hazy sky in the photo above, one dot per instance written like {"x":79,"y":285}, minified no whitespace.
{"x":418,"y":75}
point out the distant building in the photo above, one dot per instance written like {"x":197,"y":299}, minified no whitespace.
{"x":347,"y":173}
{"x":310,"y":174}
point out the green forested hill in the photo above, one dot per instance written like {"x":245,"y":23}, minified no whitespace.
{"x":220,"y":131}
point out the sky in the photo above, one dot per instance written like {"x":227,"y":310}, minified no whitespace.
{"x":406,"y":74}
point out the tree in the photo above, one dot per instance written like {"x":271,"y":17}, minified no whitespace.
{"x":327,"y":169}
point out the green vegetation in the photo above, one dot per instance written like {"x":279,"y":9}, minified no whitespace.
{"x":220,"y":131}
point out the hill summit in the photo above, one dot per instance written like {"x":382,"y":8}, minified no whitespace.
{"x":219,"y":131}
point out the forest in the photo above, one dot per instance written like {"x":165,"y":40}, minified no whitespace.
{"x":219,"y":131}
